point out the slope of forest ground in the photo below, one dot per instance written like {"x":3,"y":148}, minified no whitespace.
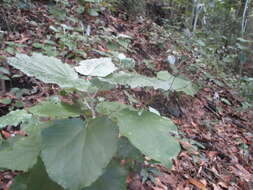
{"x":216,"y":132}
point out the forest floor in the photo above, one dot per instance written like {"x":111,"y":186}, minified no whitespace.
{"x":217,"y":135}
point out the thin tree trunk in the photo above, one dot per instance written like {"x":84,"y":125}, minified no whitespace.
{"x":244,"y":17}
{"x":243,"y":29}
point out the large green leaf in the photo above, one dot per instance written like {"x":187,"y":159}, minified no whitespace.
{"x":14,"y":118}
{"x":150,"y":133}
{"x":55,"y":110}
{"x":23,"y":153}
{"x":114,"y":178}
{"x":35,"y":179}
{"x":49,"y":70}
{"x":75,"y":154}
{"x":177,"y":83}
{"x":137,"y":80}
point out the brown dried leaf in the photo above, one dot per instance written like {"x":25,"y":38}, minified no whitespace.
{"x":197,"y":184}
{"x":241,"y":172}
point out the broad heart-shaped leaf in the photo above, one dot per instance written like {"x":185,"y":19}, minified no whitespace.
{"x":114,"y":178}
{"x":35,"y":179}
{"x":100,"y":67}
{"x":14,"y":118}
{"x":49,"y":70}
{"x":150,"y":133}
{"x":75,"y":154}
{"x":137,"y":80}
{"x":55,"y":110}
{"x":23,"y":154}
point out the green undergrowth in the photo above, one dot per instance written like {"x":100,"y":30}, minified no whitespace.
{"x":73,"y":144}
{"x":77,"y":138}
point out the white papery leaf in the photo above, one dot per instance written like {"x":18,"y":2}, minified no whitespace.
{"x":100,"y":67}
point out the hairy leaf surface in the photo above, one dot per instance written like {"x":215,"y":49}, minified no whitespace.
{"x":75,"y":154}
{"x":137,"y":80}
{"x":49,"y":70}
{"x":100,"y":67}
{"x":150,"y":133}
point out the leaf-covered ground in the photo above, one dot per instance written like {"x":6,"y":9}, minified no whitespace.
{"x":216,"y":134}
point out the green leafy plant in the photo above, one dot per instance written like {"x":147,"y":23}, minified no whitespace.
{"x":70,"y":143}
{"x":90,"y":6}
{"x":132,"y":7}
{"x":246,"y":88}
